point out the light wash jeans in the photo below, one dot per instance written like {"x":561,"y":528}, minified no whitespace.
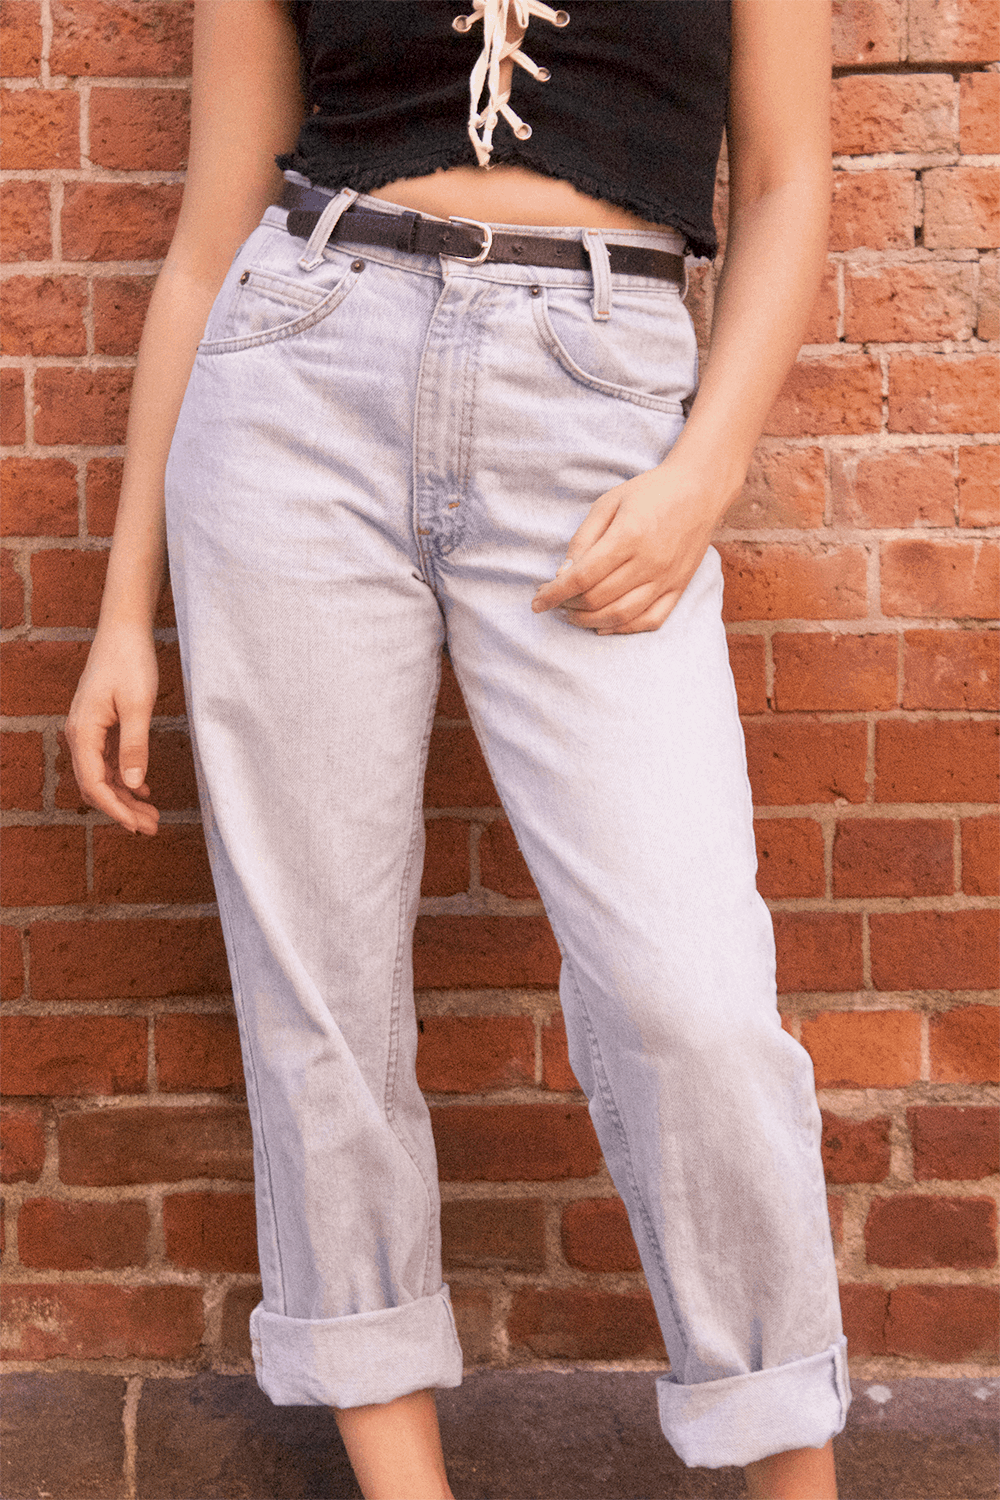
{"x":375,"y":456}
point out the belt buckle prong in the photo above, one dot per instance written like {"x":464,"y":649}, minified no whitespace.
{"x":487,"y":245}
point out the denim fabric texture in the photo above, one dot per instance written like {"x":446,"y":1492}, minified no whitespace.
{"x":377,"y":456}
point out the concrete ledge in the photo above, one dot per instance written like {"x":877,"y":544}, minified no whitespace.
{"x":509,"y":1435}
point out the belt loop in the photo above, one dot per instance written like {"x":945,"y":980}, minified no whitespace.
{"x":600,"y":269}
{"x":312,"y":255}
{"x":687,"y":280}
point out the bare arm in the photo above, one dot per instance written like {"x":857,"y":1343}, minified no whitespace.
{"x":245,"y":108}
{"x":642,"y":541}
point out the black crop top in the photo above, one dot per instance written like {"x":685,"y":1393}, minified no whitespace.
{"x":632,"y":112}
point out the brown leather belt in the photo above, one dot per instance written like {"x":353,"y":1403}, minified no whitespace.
{"x":465,"y":239}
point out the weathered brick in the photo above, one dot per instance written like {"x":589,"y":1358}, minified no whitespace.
{"x":478,"y":951}
{"x":979,"y":486}
{"x":981,"y":856}
{"x":25,"y":222}
{"x":11,"y":963}
{"x":964,"y":1045}
{"x":817,"y":950}
{"x":81,"y":406}
{"x":789,"y":857}
{"x":104,"y":477}
{"x":43,"y":315}
{"x":502,"y":866}
{"x":41,"y":129}
{"x":952,"y":1143}
{"x":747,"y":663}
{"x":457,"y":775}
{"x":865,"y":1310}
{"x":21,"y":38}
{"x":210,"y":1231}
{"x":567,"y":1323}
{"x":22,"y":1145}
{"x":120,"y":304}
{"x":920,"y":1232}
{"x":834,"y":672}
{"x":961,"y":209}
{"x":514,"y":1142}
{"x":905,"y":487}
{"x":44,"y":866}
{"x":825,"y":312}
{"x":872,"y":113}
{"x":943,"y":392}
{"x":855,"y":1150}
{"x":172,"y":867}
{"x":935,"y":950}
{"x":139,"y":129}
{"x":66,"y":587}
{"x":234,"y":1340}
{"x":785,"y":487}
{"x":198,"y":1052}
{"x":505,"y":1234}
{"x":988,"y":324}
{"x":118,"y":220}
{"x":793,"y":764}
{"x":121,"y":38}
{"x":11,"y":591}
{"x":957,"y":30}
{"x":473,"y":1054}
{"x":450,"y":704}
{"x":12,"y":426}
{"x":117,"y":1147}
{"x":71,"y":1320}
{"x":868,"y":1049}
{"x":22,"y":770}
{"x":893,"y":857}
{"x":129,"y":959}
{"x":906,"y":304}
{"x":783,"y":582}
{"x":979,"y":113}
{"x":597,"y":1236}
{"x":55,"y":1235}
{"x":942,"y":1323}
{"x":837,"y":394}
{"x":556,"y":1071}
{"x":951,"y":669}
{"x":39,"y":497}
{"x":936,"y":761}
{"x":868,"y":31}
{"x":472,"y":1307}
{"x":74,"y":1055}
{"x":875,"y":210}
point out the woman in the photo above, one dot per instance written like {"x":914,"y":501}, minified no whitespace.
{"x":406,"y":426}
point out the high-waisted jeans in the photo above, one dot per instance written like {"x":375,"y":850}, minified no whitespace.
{"x":380,"y":453}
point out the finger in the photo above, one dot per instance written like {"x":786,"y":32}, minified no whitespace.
{"x":133,"y":745}
{"x":91,"y":770}
{"x":598,"y":519}
{"x":650,"y":619}
{"x":620,"y":613}
{"x":613,"y":551}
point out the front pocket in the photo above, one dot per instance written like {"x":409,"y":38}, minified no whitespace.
{"x":267,"y":306}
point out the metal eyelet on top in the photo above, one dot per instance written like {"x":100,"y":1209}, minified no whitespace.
{"x":244,"y":278}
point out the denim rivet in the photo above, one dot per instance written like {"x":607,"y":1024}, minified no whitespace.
{"x":536,"y":291}
{"x":244,"y":278}
{"x":357,"y":265}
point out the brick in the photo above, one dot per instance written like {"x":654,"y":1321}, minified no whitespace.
{"x":505,"y":1234}
{"x":473,"y":1054}
{"x":956,"y":30}
{"x":837,"y":394}
{"x":22,"y":770}
{"x":556,"y":1071}
{"x":789,"y":857}
{"x":981,"y":856}
{"x":74,"y":1055}
{"x":979,"y":486}
{"x":53,"y":1235}
{"x":44,"y":866}
{"x":121,"y":38}
{"x":502,"y":866}
{"x":935,"y":950}
{"x":872,"y":113}
{"x":893,"y":857}
{"x":855,"y":1150}
{"x":104,"y":477}
{"x":128,"y":959}
{"x":120,"y":304}
{"x":172,"y":867}
{"x":118,"y":1147}
{"x":747,"y":662}
{"x":785,"y":488}
{"x":12,"y":429}
{"x":979,"y":113}
{"x":964,"y":1045}
{"x":26,"y":221}
{"x":817,"y":950}
{"x":951,"y":669}
{"x":234,"y":1340}
{"x":905,"y":487}
{"x":835,"y":1209}
{"x":41,"y":129}
{"x":567,"y":1323}
{"x":936,"y":761}
{"x":139,"y":129}
{"x":874,"y":210}
{"x":211,"y":1231}
{"x":81,"y":406}
{"x":920,"y":1232}
{"x":877,"y":1049}
{"x":825,"y":312}
{"x":905,"y":304}
{"x":198,"y":1052}
{"x":943,"y":1322}
{"x":22,"y":1145}
{"x":11,"y":963}
{"x":834,"y":672}
{"x":781,"y":582}
{"x":11,"y":591}
{"x":76,"y":1321}
{"x":514,"y":1142}
{"x":943,"y":393}
{"x":450,"y":704}
{"x":954,"y":1143}
{"x":39,"y":497}
{"x":988,"y":326}
{"x":457,"y":775}
{"x":21,"y":38}
{"x":41,"y":677}
{"x":793,"y":764}
{"x":43,"y":315}
{"x":961,"y":209}
{"x":66,"y":587}
{"x":597,"y":1236}
{"x":868,"y":31}
{"x":865,"y":1310}
{"x":478,"y":951}
{"x":472,"y":1308}
{"x":118,"y":220}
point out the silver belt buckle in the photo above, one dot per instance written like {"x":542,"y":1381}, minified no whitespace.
{"x":473,"y":260}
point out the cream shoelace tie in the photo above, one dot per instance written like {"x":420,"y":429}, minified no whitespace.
{"x":496,"y":16}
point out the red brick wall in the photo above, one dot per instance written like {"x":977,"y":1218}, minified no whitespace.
{"x":862,"y":574}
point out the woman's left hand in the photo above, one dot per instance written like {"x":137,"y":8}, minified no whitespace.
{"x":630,"y":561}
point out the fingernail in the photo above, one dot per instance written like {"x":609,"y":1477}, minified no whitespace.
{"x":132,"y":777}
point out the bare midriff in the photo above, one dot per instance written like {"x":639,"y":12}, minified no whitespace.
{"x":507,"y":194}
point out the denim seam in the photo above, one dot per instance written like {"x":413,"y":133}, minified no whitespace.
{"x":329,"y":304}
{"x":552,"y":343}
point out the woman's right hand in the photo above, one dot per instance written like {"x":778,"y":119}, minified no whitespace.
{"x":108,"y":727}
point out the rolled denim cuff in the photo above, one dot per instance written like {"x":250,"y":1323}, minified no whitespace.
{"x":358,"y":1360}
{"x":745,"y":1417}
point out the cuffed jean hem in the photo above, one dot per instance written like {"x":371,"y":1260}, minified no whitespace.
{"x":737,"y":1421}
{"x":359,"y":1360}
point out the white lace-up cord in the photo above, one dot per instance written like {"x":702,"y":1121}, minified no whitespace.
{"x":494,"y":15}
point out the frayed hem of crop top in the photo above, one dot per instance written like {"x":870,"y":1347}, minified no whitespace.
{"x":365,"y":179}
